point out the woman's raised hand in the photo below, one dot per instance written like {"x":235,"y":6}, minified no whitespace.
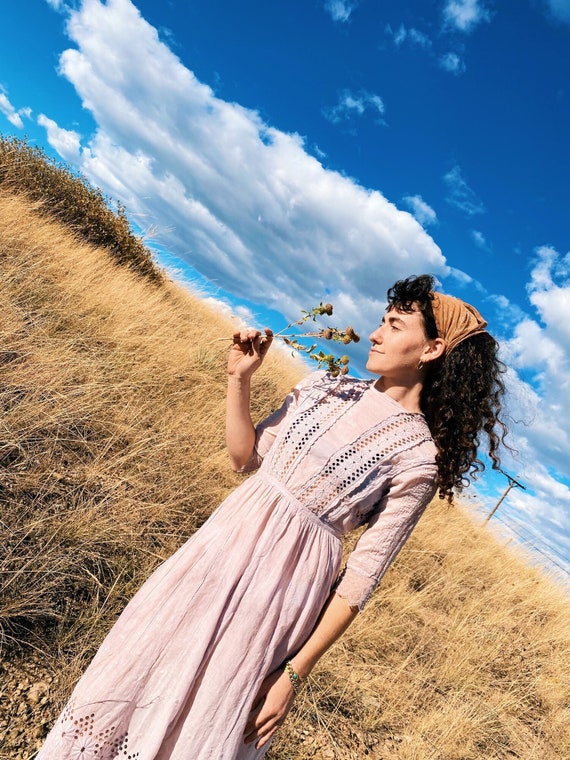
{"x":248,"y":351}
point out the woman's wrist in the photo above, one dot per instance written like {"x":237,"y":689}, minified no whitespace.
{"x":239,"y":380}
{"x":294,"y":678}
{"x":301,"y":666}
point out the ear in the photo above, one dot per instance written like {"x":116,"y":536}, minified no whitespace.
{"x":433,"y":350}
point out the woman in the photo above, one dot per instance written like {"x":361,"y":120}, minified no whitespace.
{"x":206,"y":659}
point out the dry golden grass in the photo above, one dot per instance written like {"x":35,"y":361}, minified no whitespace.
{"x":111,"y":454}
{"x":68,"y":197}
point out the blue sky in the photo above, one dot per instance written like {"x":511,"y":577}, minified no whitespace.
{"x":296,"y":151}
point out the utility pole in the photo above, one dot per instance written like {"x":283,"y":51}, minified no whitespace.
{"x":512,"y":484}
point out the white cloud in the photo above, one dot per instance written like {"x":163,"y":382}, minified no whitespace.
{"x":247,"y":206}
{"x":533,"y":348}
{"x":549,"y":293}
{"x":460,"y":195}
{"x":13,"y":116}
{"x":539,"y":517}
{"x":540,"y":350}
{"x":242,"y":202}
{"x":452,"y":62}
{"x":479,"y":240}
{"x":536,"y":351}
{"x":340,"y":10}
{"x":421,"y":210}
{"x":411,"y":35}
{"x":354,"y":104}
{"x":465,"y":15}
{"x":419,"y":38}
{"x":560,"y":10}
{"x":66,"y":142}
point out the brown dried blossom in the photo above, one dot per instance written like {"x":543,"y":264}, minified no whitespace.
{"x":336,"y":366}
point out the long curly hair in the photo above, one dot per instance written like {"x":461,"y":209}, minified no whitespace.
{"x":461,"y":396}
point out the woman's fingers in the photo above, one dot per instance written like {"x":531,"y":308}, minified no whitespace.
{"x":271,"y":706}
{"x":264,"y":342}
{"x":253,"y":342}
{"x":245,"y":340}
{"x":262,"y":732}
{"x":266,"y":737}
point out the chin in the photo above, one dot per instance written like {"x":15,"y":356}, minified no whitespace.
{"x":371,"y":368}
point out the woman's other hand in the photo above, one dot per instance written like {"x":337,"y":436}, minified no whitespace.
{"x":270,"y":708}
{"x":248,"y":351}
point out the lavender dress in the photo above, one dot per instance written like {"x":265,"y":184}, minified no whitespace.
{"x":177,"y":675}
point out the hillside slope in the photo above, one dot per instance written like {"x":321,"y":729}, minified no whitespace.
{"x":111,"y":454}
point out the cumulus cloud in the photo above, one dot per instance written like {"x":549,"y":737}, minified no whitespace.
{"x":354,"y":104}
{"x":452,"y":62}
{"x":538,"y":356}
{"x":465,"y":15}
{"x":420,"y":210}
{"x":460,"y":195}
{"x":458,"y":16}
{"x":66,"y":142}
{"x":13,"y":116}
{"x":559,"y":9}
{"x":340,"y":10}
{"x":409,"y":35}
{"x":480,"y":240}
{"x":540,"y":350}
{"x":241,"y":201}
{"x":549,"y":293}
{"x":535,"y":347}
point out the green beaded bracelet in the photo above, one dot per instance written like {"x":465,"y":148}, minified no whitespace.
{"x":295,"y":678}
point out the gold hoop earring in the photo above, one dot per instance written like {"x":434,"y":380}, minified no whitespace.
{"x":420,"y":364}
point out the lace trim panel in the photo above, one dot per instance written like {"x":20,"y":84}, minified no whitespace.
{"x":348,"y":469}
{"x":310,"y":424}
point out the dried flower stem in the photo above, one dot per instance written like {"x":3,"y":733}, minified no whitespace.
{"x":333,"y":364}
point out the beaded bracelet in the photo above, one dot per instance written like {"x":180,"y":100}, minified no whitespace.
{"x":295,"y":678}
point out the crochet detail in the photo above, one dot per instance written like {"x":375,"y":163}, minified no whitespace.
{"x":351,"y":465}
{"x":306,"y":428}
{"x":346,"y":470}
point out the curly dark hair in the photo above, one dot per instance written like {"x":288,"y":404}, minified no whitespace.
{"x":462,"y":393}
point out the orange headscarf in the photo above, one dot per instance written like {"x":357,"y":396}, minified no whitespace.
{"x":455,"y":320}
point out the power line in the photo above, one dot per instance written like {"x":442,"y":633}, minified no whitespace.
{"x":534,"y":537}
{"x":535,"y":548}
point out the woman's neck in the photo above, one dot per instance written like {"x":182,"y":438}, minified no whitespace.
{"x":407,"y":396}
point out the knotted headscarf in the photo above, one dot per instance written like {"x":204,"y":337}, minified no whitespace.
{"x":455,"y":320}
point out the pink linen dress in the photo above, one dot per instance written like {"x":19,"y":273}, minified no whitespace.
{"x":177,"y":675}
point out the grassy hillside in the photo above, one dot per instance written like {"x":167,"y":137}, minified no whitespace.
{"x":111,"y":455}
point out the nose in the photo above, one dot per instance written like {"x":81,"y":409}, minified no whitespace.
{"x":376,"y":335}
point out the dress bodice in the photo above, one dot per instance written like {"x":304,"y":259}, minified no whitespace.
{"x":351,"y":455}
{"x":340,"y":446}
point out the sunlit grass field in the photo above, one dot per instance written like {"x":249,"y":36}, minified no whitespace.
{"x":112,"y":382}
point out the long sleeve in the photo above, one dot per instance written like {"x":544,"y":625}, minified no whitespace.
{"x":401,"y":507}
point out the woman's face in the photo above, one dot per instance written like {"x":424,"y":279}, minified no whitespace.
{"x":398,"y":345}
